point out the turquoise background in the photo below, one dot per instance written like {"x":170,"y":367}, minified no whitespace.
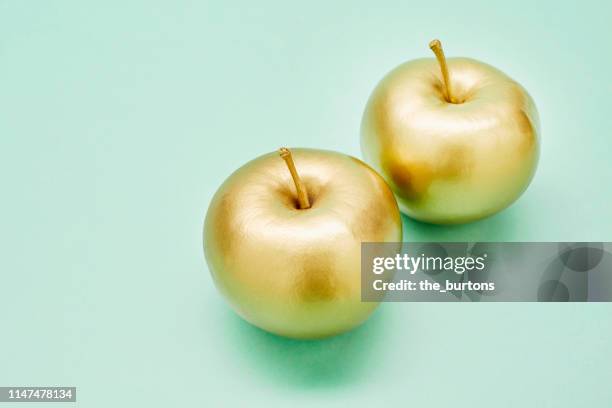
{"x":119,"y":120}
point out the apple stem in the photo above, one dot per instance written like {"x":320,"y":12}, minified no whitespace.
{"x":436,"y":47}
{"x":302,"y":195}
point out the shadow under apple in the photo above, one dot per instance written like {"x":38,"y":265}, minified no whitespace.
{"x":504,"y":226}
{"x":344,"y":359}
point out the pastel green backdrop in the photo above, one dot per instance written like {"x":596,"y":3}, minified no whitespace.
{"x":119,"y":120}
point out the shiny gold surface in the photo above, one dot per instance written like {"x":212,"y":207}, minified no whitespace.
{"x":296,"y":272}
{"x":451,"y":162}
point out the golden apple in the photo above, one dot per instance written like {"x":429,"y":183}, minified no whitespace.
{"x":282,"y":239}
{"x":457,"y":139}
